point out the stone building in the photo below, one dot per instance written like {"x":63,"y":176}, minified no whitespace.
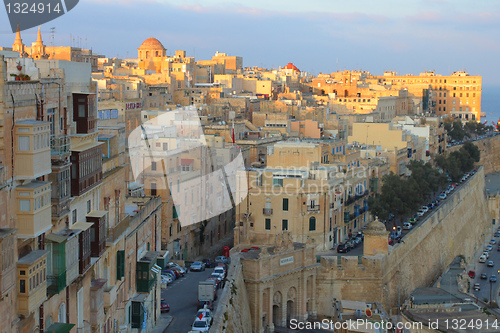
{"x":280,"y":281}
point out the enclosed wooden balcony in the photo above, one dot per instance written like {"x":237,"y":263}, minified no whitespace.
{"x":147,"y":271}
{"x":31,"y":149}
{"x":83,"y":245}
{"x":97,"y":303}
{"x":62,"y":266}
{"x":33,"y":205}
{"x":98,"y":232}
{"x":32,"y":281}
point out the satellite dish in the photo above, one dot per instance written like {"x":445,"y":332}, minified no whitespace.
{"x":156,"y":137}
{"x":368,"y":312}
{"x":358,"y":314}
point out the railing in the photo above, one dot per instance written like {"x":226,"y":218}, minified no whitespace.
{"x":116,"y":231}
{"x":267,"y":211}
{"x":312,"y":208}
{"x":60,"y":146}
{"x":351,"y":199}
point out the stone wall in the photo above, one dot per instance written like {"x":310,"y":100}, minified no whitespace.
{"x":490,"y":153}
{"x":459,"y":227}
{"x":233,"y":311}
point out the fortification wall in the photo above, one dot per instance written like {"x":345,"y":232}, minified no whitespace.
{"x":457,"y":227}
{"x":233,"y":311}
{"x":490,"y":153}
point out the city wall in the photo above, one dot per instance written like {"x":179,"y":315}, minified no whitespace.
{"x":233,"y":311}
{"x":490,"y":153}
{"x":459,"y":227}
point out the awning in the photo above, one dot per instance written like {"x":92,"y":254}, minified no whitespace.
{"x":59,"y":328}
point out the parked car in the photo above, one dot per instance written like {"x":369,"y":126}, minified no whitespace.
{"x":166,"y":279}
{"x":205,"y":314}
{"x":209,"y":263}
{"x":486,"y":254}
{"x":498,"y":248}
{"x":490,"y":264}
{"x":484,"y":276}
{"x":493,"y":278}
{"x":197,"y":266}
{"x":208,"y":304}
{"x":216,"y":278}
{"x":178,"y":271}
{"x":169,"y":273}
{"x":482,"y":258}
{"x":342,"y":248}
{"x":164,"y":306}
{"x":407,"y":226}
{"x":177,"y":274}
{"x":493,"y":241}
{"x":420,"y":213}
{"x":222,"y":259}
{"x":201,"y":326}
{"x":361,"y":234}
{"x":472,"y":274}
{"x":489,"y":247}
{"x":351,"y":244}
{"x":425,"y":209}
{"x":497,"y":234}
{"x":442,"y":196}
{"x":183,"y":270}
{"x":477,"y":286}
{"x":221,"y":271}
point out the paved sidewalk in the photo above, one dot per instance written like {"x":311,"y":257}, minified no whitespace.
{"x":162,"y":324}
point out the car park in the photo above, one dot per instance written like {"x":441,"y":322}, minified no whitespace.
{"x":164,"y":306}
{"x":493,"y":278}
{"x":477,"y":286}
{"x":197,"y":266}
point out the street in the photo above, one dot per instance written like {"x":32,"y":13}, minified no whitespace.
{"x":484,"y":293}
{"x":182,"y":295}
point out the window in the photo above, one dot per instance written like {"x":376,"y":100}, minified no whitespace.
{"x":284,"y":225}
{"x":153,"y":166}
{"x":74,"y":216}
{"x":22,"y":286}
{"x":285,"y":204}
{"x":24,"y":143}
{"x":24,"y":205}
{"x":165,"y":146}
{"x":153,"y":189}
{"x":268,"y":224}
{"x":89,"y":206}
{"x":312,"y":223}
{"x":278,"y":182}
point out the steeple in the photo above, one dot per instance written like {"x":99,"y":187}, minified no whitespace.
{"x":18,"y":43}
{"x":39,"y":36}
{"x":37,"y":48}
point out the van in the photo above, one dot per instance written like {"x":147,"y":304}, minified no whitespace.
{"x":482,"y":258}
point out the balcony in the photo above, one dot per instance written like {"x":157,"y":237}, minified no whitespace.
{"x":7,"y":263}
{"x":109,"y":296}
{"x":60,"y":147}
{"x":86,"y":167}
{"x":83,"y":246}
{"x":351,"y":199}
{"x":115,"y":232}
{"x":60,"y":195}
{"x":62,"y":262}
{"x":267,"y":211}
{"x":313,"y":208}
{"x":98,"y":232}
{"x":97,"y":303}
{"x":85,"y":113}
{"x":146,"y":272}
{"x":33,"y":209}
{"x":31,"y":149}
{"x":32,"y":283}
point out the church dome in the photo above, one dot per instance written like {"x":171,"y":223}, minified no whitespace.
{"x":291,"y":66}
{"x":152,"y":43}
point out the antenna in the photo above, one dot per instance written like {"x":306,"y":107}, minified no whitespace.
{"x":52,"y":33}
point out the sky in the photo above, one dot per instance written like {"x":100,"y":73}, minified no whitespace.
{"x":409,"y":36}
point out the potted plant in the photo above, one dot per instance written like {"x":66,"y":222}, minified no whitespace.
{"x":19,"y":67}
{"x":18,"y":78}
{"x":26,"y":78}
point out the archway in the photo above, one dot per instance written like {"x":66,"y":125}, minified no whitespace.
{"x":289,"y":311}
{"x":276,"y":317}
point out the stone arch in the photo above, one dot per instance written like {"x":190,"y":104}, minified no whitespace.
{"x":291,"y":304}
{"x":277,"y":299}
{"x":62,"y":313}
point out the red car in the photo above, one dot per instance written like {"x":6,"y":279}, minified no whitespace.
{"x":164,"y":306}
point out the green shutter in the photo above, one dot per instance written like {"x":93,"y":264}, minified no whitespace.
{"x":285,"y":204}
{"x":120,"y":264}
{"x":285,"y":225}
{"x":312,"y":223}
{"x":268,"y":224}
{"x":175,"y":216}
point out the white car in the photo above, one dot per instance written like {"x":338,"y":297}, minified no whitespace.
{"x":205,"y":314}
{"x":486,"y":254}
{"x":201,"y":325}
{"x":407,"y":226}
{"x":442,"y":196}
{"x":221,"y":271}
{"x":482,"y":258}
{"x":166,"y":279}
{"x":425,"y":209}
{"x":420,"y":213}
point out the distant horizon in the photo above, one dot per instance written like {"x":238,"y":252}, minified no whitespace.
{"x":317,"y":36}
